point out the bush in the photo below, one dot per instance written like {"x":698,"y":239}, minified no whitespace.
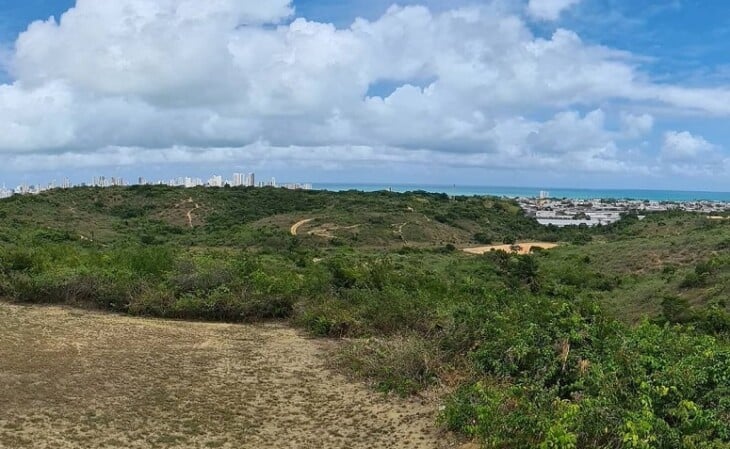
{"x":328,"y":318}
{"x":24,"y":260}
{"x":692,"y":280}
{"x":221,"y":304}
{"x":89,"y":290}
{"x":676,"y":309}
{"x":582,"y":238}
{"x":558,"y":375}
{"x":404,"y":365}
{"x":483,"y":238}
{"x":147,"y":261}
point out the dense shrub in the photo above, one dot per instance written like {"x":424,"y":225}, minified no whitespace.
{"x":692,"y":280}
{"x":556,"y":376}
{"x":483,"y":238}
{"x":405,"y":365}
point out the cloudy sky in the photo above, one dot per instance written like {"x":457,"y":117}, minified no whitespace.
{"x":561,"y":93}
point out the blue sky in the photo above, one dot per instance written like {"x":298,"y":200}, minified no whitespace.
{"x":15,"y":16}
{"x":686,"y":38}
{"x":572,"y":93}
{"x":18,"y":14}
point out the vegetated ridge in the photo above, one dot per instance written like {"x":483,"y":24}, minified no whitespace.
{"x":618,"y":337}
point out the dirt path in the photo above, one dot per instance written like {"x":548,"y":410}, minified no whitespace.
{"x":400,"y":227}
{"x":190,"y":215}
{"x":295,"y":227}
{"x":519,"y":248}
{"x":71,"y":379}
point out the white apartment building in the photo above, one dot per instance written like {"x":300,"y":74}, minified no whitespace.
{"x":216,"y":181}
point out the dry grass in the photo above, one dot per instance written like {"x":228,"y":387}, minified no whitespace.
{"x":71,"y":379}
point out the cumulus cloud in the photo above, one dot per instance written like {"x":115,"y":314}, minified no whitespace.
{"x":636,"y":125}
{"x":549,"y":9}
{"x":683,"y":146}
{"x":184,"y":80}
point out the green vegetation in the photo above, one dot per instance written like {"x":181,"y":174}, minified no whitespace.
{"x":616,"y":339}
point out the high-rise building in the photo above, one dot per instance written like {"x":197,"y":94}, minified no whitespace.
{"x":216,"y":181}
{"x":239,"y":179}
{"x":100,"y":181}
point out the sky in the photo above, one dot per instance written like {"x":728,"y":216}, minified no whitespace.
{"x":546,"y":93}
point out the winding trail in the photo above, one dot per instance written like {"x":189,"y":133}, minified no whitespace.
{"x":71,"y":378}
{"x":190,"y":215}
{"x":399,"y":232}
{"x":295,"y":227}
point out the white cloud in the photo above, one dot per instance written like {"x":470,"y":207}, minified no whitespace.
{"x":36,"y":119}
{"x":549,"y":9}
{"x":177,"y":80}
{"x":683,"y":146}
{"x":636,"y":125}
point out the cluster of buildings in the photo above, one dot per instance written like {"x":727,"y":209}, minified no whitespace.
{"x":103,"y":181}
{"x":568,"y":212}
{"x":238,"y":180}
{"x":25,"y":189}
{"x":5,"y":193}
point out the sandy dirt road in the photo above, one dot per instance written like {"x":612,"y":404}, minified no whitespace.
{"x":77,"y":379}
{"x":295,"y":227}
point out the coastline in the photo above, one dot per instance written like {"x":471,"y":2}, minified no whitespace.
{"x":531,"y":192}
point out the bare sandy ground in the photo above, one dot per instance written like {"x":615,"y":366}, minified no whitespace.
{"x":76,"y":379}
{"x":295,"y":227}
{"x":519,"y":248}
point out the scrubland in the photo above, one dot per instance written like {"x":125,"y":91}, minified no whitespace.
{"x":616,"y":338}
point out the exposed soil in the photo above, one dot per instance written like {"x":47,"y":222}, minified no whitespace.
{"x":190,"y":215}
{"x":295,"y":227}
{"x":327,"y":230}
{"x":73,"y":379}
{"x":519,"y":248}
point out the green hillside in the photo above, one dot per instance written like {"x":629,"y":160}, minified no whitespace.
{"x":616,"y":338}
{"x":238,"y":217}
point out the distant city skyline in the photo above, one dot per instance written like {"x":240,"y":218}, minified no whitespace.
{"x":688,"y":197}
{"x":103,"y":181}
{"x":569,"y":93}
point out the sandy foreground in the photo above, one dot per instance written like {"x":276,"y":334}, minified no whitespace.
{"x":76,"y":379}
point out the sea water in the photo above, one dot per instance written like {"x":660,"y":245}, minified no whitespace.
{"x":515,"y":192}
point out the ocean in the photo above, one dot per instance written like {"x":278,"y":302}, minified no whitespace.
{"x":512,"y":192}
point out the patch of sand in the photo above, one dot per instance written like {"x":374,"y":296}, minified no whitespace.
{"x":519,"y":248}
{"x":326,"y":230}
{"x":295,"y":227}
{"x":77,"y":379}
{"x":190,"y":215}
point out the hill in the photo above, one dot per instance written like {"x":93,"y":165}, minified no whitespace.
{"x":618,"y":337}
{"x":239,"y":216}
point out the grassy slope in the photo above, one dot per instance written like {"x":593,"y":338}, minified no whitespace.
{"x":650,"y":260}
{"x":228,"y":217}
{"x":642,"y":261}
{"x":534,"y":359}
